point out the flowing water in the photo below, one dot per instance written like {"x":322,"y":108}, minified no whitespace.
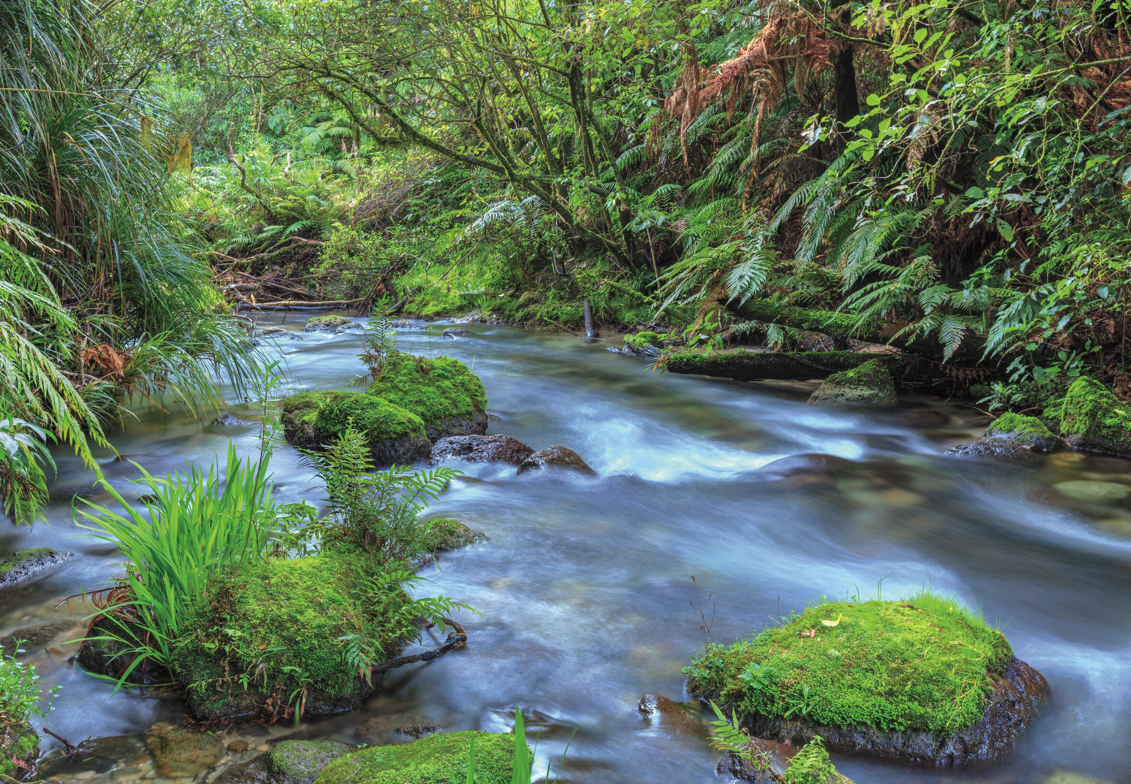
{"x":585,"y":586}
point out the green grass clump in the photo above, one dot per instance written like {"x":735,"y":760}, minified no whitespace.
{"x":437,"y":759}
{"x":1093,"y":417}
{"x":279,"y":623}
{"x":432,"y":389}
{"x":927,"y":663}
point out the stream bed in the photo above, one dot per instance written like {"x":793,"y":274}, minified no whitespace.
{"x":585,"y":585}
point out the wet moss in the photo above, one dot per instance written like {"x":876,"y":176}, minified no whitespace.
{"x":1094,"y":418}
{"x":657,"y":339}
{"x":869,"y":382}
{"x":435,"y":390}
{"x":1025,"y":430}
{"x":812,"y":765}
{"x":445,"y":535}
{"x":922,"y":664}
{"x":437,"y":759}
{"x":24,"y":558}
{"x":18,"y":741}
{"x":326,"y":323}
{"x":1053,"y":414}
{"x":314,"y":419}
{"x":276,"y":626}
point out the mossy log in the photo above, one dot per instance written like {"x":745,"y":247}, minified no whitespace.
{"x":906,"y":369}
{"x":843,"y":326}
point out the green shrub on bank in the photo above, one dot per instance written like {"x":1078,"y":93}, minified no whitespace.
{"x":926,"y":663}
{"x":19,"y":702}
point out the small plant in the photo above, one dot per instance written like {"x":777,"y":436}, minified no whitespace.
{"x":756,"y":676}
{"x":374,"y":512}
{"x":23,"y":453}
{"x":728,"y":735}
{"x":380,"y":345}
{"x":19,"y":690}
{"x":522,"y":769}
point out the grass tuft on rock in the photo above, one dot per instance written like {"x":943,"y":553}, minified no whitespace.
{"x":437,"y":759}
{"x":927,"y":663}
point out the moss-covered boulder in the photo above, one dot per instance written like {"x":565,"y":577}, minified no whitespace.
{"x":300,"y":761}
{"x":437,"y":759}
{"x":19,"y":746}
{"x":447,"y":397}
{"x":27,"y":563}
{"x":1094,"y":419}
{"x":921,"y":680}
{"x":445,"y":535}
{"x":330,"y":324}
{"x":311,"y":420}
{"x":1024,"y":430}
{"x":870,"y":382}
{"x":292,"y":616}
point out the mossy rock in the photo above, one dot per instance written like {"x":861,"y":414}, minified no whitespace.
{"x":1024,"y":430}
{"x":437,"y":759}
{"x":19,"y":747}
{"x":300,"y":761}
{"x":327,"y":324}
{"x":445,"y":535}
{"x":812,"y":765}
{"x":28,"y":563}
{"x":1095,"y":420}
{"x":292,"y":615}
{"x":651,"y":344}
{"x":312,"y":420}
{"x":870,"y":382}
{"x":920,"y":680}
{"x":1053,"y":414}
{"x":447,"y":397}
{"x":106,"y":650}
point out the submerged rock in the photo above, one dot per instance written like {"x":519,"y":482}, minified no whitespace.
{"x":27,"y":563}
{"x":452,"y":334}
{"x":282,"y":333}
{"x":104,"y":651}
{"x":445,"y":535}
{"x":312,"y":420}
{"x":1024,"y":430}
{"x":406,"y":324}
{"x":35,"y":638}
{"x":390,"y":728}
{"x":870,"y":382}
{"x":437,"y":758}
{"x":1091,"y":492}
{"x":178,"y":751}
{"x":557,"y":458}
{"x":655,"y":704}
{"x":326,"y":324}
{"x":481,"y":449}
{"x":1095,"y":420}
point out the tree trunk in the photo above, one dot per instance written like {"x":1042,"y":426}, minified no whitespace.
{"x":590,"y":332}
{"x":907,"y":370}
{"x":842,"y":326}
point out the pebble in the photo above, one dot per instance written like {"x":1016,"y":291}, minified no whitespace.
{"x":262,"y":747}
{"x":85,"y":775}
{"x":1093,"y":492}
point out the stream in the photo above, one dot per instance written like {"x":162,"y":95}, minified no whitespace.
{"x":585,"y":585}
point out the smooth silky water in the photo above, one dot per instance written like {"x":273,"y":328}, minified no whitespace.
{"x":585,"y":586}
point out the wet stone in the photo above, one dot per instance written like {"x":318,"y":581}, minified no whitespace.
{"x":28,"y":563}
{"x":178,"y":751}
{"x":35,"y":638}
{"x":558,"y":458}
{"x":299,"y":761}
{"x":452,"y":334}
{"x":481,"y":449}
{"x":227,"y":420}
{"x":655,"y":704}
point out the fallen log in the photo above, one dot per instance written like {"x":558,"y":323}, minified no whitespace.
{"x":298,"y":303}
{"x":908,"y":370}
{"x":843,"y":326}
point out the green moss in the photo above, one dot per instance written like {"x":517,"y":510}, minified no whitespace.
{"x":278,"y":622}
{"x":23,"y":557}
{"x":642,"y":339}
{"x":1022,"y":429}
{"x":377,"y":416}
{"x":812,"y":765}
{"x":434,"y":390}
{"x":1053,"y":414}
{"x":437,"y":759}
{"x":327,"y":322}
{"x":869,"y":382}
{"x":18,"y":741}
{"x":922,"y":664}
{"x":1094,"y":418}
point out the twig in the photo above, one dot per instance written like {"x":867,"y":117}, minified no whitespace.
{"x":567,"y":329}
{"x":456,"y":640}
{"x":71,"y":748}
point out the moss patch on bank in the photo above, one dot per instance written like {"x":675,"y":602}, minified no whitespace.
{"x":1094,"y":418}
{"x":437,"y":759}
{"x":277,"y":625}
{"x":18,"y":741}
{"x":869,"y":382}
{"x":434,"y":390}
{"x":922,"y":664}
